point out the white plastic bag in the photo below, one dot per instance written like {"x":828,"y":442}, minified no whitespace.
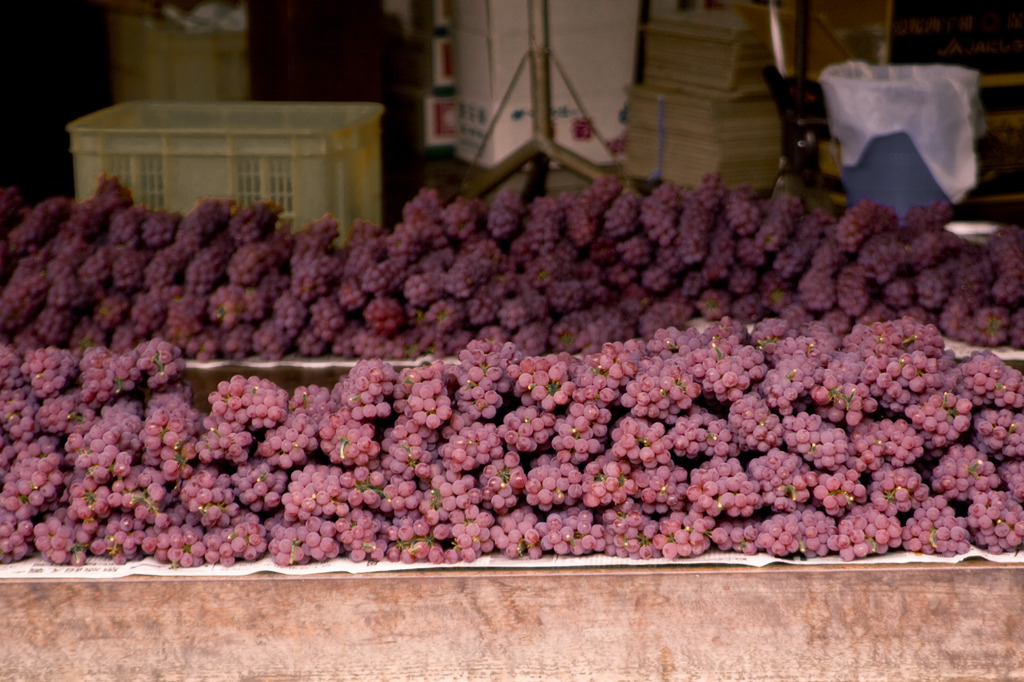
{"x":936,"y":105}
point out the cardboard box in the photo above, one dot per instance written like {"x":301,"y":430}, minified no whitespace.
{"x":572,"y":129}
{"x":592,"y":42}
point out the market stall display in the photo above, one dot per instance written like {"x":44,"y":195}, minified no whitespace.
{"x":840,"y":424}
{"x":595,"y":435}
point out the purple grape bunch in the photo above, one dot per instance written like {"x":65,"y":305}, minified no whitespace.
{"x":563,"y":273}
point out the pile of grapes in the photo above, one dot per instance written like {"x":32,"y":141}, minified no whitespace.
{"x":564,"y":273}
{"x":783,"y":438}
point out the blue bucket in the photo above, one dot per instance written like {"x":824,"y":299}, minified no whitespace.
{"x":891,"y":172}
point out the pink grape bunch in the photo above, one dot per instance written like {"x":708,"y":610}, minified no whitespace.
{"x":692,"y":441}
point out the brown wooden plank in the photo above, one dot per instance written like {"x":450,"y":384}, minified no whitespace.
{"x":777,"y":623}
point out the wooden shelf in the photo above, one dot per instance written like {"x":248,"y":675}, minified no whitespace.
{"x":720,"y":623}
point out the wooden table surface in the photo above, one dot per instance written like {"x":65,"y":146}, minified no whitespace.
{"x":905,"y":622}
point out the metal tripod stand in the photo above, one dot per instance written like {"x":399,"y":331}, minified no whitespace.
{"x":541,"y":148}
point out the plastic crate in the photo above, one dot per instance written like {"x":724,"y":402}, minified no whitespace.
{"x":310,"y":158}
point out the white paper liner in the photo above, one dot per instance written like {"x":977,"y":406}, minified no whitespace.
{"x":38,"y":568}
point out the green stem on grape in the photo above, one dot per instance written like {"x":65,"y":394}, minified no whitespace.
{"x":78,"y":551}
{"x":114,"y":548}
{"x":363,"y":486}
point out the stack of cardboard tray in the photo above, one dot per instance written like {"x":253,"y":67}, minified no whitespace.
{"x":701,"y":103}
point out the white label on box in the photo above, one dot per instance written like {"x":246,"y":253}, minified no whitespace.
{"x":441,"y":125}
